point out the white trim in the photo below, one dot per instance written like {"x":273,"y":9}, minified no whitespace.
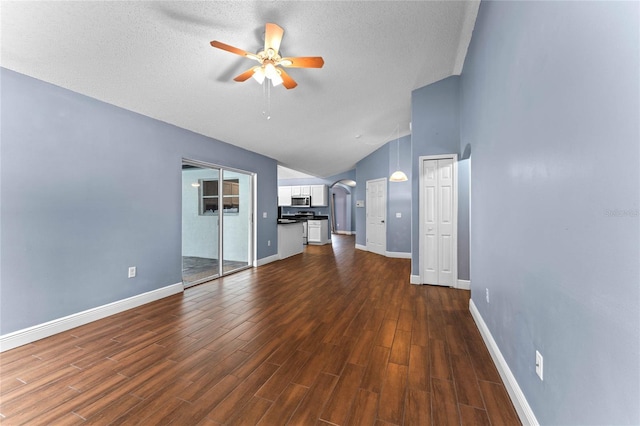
{"x":421,"y":161}
{"x":40,"y":331}
{"x":267,"y":259}
{"x":415,"y":279}
{"x":527,"y":417}
{"x":367,"y":211}
{"x":394,"y":254}
{"x":464,"y":284}
{"x":398,"y":254}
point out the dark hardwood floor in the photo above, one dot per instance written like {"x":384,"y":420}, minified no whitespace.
{"x":333,"y":336}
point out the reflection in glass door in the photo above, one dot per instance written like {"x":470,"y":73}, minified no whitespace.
{"x":200,"y":261}
{"x":236,"y":220}
{"x":204,"y":196}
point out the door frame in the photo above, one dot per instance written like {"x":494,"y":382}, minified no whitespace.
{"x":421,"y":161}
{"x":384,"y":181}
{"x":252,"y":249}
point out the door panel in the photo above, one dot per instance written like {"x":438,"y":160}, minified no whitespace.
{"x":376,"y":211}
{"x":236,"y":223}
{"x":200,"y":231}
{"x":430,"y":273}
{"x":445,"y":222}
{"x":438,"y":256}
{"x":430,"y":226}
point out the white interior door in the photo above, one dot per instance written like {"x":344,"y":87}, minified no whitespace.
{"x":438,"y":212}
{"x":376,"y":211}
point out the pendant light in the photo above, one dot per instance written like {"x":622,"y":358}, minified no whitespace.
{"x":398,"y":175}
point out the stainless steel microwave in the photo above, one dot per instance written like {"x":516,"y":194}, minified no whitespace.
{"x":304,"y":201}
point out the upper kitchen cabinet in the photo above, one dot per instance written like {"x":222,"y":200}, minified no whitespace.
{"x":319,"y":195}
{"x":300,"y":191}
{"x":284,"y":196}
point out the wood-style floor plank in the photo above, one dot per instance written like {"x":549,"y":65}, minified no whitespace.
{"x":350,"y":341}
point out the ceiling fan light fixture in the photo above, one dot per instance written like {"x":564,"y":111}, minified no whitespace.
{"x":270,"y":70}
{"x":258,"y":74}
{"x":276,"y":80}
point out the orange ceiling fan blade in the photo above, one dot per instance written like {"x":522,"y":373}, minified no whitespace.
{"x":287,"y":81}
{"x":303,"y":62}
{"x":245,"y":75}
{"x":272,"y":37}
{"x":235,"y":50}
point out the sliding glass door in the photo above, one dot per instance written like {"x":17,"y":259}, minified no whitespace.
{"x":236,"y":219}
{"x":216,"y":221}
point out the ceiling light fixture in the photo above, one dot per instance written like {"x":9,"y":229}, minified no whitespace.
{"x":398,"y":175}
{"x":269,"y":71}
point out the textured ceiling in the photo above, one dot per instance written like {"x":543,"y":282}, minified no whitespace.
{"x":154,"y":58}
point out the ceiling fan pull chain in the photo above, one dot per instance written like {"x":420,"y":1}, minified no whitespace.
{"x":267,"y":99}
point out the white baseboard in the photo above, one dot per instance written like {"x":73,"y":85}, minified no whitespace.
{"x":398,"y":254}
{"x":395,"y":254}
{"x":464,"y":285}
{"x":40,"y":331}
{"x":527,"y":417}
{"x":415,"y":279}
{"x":267,"y":259}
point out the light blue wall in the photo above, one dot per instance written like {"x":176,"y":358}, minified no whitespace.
{"x":89,"y":189}
{"x":464,"y":188}
{"x":399,"y":198}
{"x":550,"y":106}
{"x":380,"y":164}
{"x":436,"y":130}
{"x":342,"y":199}
{"x":199,"y":232}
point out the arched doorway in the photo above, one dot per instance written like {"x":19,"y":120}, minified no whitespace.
{"x":342,"y":207}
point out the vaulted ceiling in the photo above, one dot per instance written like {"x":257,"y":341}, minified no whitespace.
{"x":154,"y":58}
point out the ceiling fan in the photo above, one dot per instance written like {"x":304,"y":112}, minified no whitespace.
{"x":270,"y":60}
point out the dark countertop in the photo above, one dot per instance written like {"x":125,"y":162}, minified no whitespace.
{"x":302,"y":217}
{"x":287,"y":221}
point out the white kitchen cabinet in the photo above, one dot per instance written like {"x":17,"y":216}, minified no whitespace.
{"x":289,"y":239}
{"x":318,"y":231}
{"x":284,"y":196}
{"x":319,"y":195}
{"x":300,"y":190}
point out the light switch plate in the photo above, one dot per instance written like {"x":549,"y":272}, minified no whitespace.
{"x":539,"y":365}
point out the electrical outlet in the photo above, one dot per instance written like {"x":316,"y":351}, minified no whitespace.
{"x":132,"y":271}
{"x":539,"y":365}
{"x":264,"y":215}
{"x":487,"y":294}
{"x":269,"y":243}
{"x":399,"y":215}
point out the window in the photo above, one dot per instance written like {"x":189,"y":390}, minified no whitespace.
{"x":210,"y":198}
